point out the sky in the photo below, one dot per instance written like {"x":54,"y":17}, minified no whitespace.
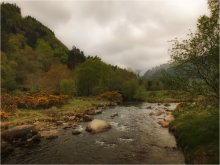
{"x":129,"y":33}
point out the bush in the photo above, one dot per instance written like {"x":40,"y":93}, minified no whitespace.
{"x":129,"y":89}
{"x":3,"y":115}
{"x":112,"y":96}
{"x":8,"y":103}
{"x":140,"y":93}
{"x":67,"y":87}
{"x":197,"y":132}
{"x":40,"y":100}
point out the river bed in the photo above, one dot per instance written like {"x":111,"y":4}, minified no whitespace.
{"x":135,"y":138}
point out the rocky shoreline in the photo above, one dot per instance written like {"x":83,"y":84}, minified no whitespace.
{"x":25,"y":134}
{"x":164,"y":115}
{"x":32,"y":131}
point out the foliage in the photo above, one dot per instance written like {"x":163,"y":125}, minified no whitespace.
{"x":8,"y":103}
{"x":167,"y":96}
{"x":197,"y":58}
{"x":112,"y":96}
{"x":40,"y":100}
{"x":33,"y":60}
{"x":75,"y":57}
{"x":92,"y":77}
{"x":197,"y":132}
{"x":67,"y":86}
{"x":3,"y":115}
{"x":129,"y":89}
{"x":8,"y":76}
{"x":140,"y":93}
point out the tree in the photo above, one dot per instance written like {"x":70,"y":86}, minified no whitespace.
{"x":93,"y":77}
{"x":197,"y":58}
{"x":75,"y":57}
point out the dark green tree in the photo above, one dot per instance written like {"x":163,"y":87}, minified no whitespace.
{"x":75,"y":57}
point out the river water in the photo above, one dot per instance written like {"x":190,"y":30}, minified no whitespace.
{"x":135,"y":138}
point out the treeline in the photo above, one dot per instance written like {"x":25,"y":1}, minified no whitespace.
{"x":34,"y":60}
{"x":194,"y":65}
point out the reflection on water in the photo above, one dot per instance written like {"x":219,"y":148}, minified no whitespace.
{"x":135,"y":137}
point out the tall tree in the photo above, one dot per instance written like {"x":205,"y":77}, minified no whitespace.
{"x":75,"y":57}
{"x":197,"y":58}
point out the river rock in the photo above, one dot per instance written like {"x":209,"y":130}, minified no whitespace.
{"x":163,"y":123}
{"x":166,"y":104}
{"x":114,"y":115}
{"x":6,"y":147}
{"x":158,"y":113}
{"x":87,"y":118}
{"x":59,"y":122}
{"x":169,"y":118}
{"x":66,"y":125}
{"x":19,"y":132}
{"x":94,"y":112}
{"x":149,"y":107}
{"x":76,"y":132}
{"x":49,"y":134}
{"x":97,"y":126}
{"x":35,"y":138}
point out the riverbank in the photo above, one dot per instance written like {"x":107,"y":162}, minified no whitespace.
{"x":196,"y":129}
{"x":135,"y":137}
{"x":25,"y":126}
{"x":167,"y":96}
{"x":73,"y":107}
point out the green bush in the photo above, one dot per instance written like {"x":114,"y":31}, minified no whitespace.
{"x":197,"y":132}
{"x":140,"y":93}
{"x":67,"y":87}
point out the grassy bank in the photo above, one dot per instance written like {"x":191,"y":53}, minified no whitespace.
{"x":197,"y":133}
{"x":76,"y":105}
{"x":167,"y":96}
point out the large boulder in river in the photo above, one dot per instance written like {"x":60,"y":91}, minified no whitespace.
{"x":21,"y":132}
{"x":97,"y":126}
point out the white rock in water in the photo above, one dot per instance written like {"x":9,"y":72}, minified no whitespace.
{"x":97,"y":126}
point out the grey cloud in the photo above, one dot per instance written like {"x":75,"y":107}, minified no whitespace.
{"x":131,"y":34}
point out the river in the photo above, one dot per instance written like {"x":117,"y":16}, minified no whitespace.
{"x":135,"y":137}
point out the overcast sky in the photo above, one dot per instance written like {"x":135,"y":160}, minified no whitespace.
{"x":131,"y":34}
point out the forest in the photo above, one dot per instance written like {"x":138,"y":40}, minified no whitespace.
{"x":40,"y":77}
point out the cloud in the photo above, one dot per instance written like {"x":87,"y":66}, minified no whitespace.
{"x":131,"y":34}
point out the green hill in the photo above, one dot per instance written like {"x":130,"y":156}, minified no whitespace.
{"x":34,"y":60}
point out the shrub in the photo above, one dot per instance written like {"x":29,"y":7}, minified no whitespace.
{"x":8,"y":103}
{"x":39,"y":100}
{"x":67,"y":87}
{"x":112,"y":96}
{"x":140,"y":93}
{"x":3,"y":115}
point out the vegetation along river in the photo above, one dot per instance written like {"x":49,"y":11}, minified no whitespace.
{"x":135,"y":137}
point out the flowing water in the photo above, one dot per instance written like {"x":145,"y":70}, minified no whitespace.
{"x":135,"y":137}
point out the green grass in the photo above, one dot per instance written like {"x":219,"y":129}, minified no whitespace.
{"x":167,"y":96}
{"x":76,"y":105}
{"x":197,"y":132}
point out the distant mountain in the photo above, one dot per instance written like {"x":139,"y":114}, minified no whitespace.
{"x":155,"y":72}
